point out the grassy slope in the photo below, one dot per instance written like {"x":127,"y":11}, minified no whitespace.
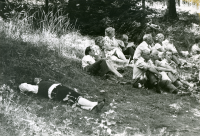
{"x":144,"y":111}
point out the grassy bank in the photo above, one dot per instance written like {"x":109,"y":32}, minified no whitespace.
{"x":26,"y":54}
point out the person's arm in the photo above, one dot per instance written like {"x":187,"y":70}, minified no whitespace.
{"x":165,"y":69}
{"x":159,"y":64}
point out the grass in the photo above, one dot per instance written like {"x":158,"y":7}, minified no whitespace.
{"x":26,"y":54}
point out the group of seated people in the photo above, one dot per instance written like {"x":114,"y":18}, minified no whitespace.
{"x":155,"y":65}
{"x":155,"y":61}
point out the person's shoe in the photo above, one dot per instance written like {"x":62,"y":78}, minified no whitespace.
{"x":99,"y":106}
{"x":158,"y":89}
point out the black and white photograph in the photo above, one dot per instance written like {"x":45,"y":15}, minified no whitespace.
{"x":99,"y":67}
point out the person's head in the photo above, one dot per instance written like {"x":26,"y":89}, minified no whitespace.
{"x":89,"y":51}
{"x":124,"y":38}
{"x":110,"y":32}
{"x":168,"y":55}
{"x":99,"y":41}
{"x":154,"y":54}
{"x":145,"y":54}
{"x":37,"y":80}
{"x":170,"y":38}
{"x":148,"y":39}
{"x":160,"y":37}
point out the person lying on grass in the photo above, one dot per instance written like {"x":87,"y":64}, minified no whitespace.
{"x":57,"y":91}
{"x":99,"y":67}
{"x":146,"y":73}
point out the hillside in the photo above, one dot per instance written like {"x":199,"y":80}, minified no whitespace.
{"x":26,"y":53}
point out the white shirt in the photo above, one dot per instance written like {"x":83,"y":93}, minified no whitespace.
{"x":195,"y":49}
{"x":157,"y":46}
{"x":140,"y":68}
{"x":24,"y":87}
{"x":140,"y":48}
{"x":87,"y":60}
{"x":169,"y":46}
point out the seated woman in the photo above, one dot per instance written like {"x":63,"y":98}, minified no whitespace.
{"x":111,"y":47}
{"x":99,"y":67}
{"x":57,"y":91}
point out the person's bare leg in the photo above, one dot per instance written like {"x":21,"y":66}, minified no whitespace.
{"x":113,"y":69}
{"x":86,"y":104}
{"x":121,"y":55}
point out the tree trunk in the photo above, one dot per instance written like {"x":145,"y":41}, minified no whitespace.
{"x":171,"y":10}
{"x":143,"y":5}
{"x":2,"y":6}
{"x":179,"y":3}
{"x":46,"y":6}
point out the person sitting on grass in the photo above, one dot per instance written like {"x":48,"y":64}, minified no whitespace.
{"x":146,"y":73}
{"x":99,"y":67}
{"x":195,"y":49}
{"x":128,"y":48}
{"x":168,"y":45}
{"x":57,"y":91}
{"x":169,"y":64}
{"x":145,"y":45}
{"x":112,"y":49}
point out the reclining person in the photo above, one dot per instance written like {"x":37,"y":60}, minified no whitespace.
{"x":57,"y":91}
{"x":99,"y":67}
{"x":145,"y":72}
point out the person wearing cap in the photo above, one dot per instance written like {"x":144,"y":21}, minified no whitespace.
{"x":57,"y":91}
{"x":111,"y":47}
{"x":100,"y":67}
{"x":145,"y":45}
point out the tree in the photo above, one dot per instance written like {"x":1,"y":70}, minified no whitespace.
{"x":2,"y":6}
{"x":171,"y":10}
{"x":143,"y":5}
{"x":46,"y":6}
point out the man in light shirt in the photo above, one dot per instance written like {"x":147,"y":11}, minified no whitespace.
{"x":141,"y":67}
{"x":145,"y":45}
